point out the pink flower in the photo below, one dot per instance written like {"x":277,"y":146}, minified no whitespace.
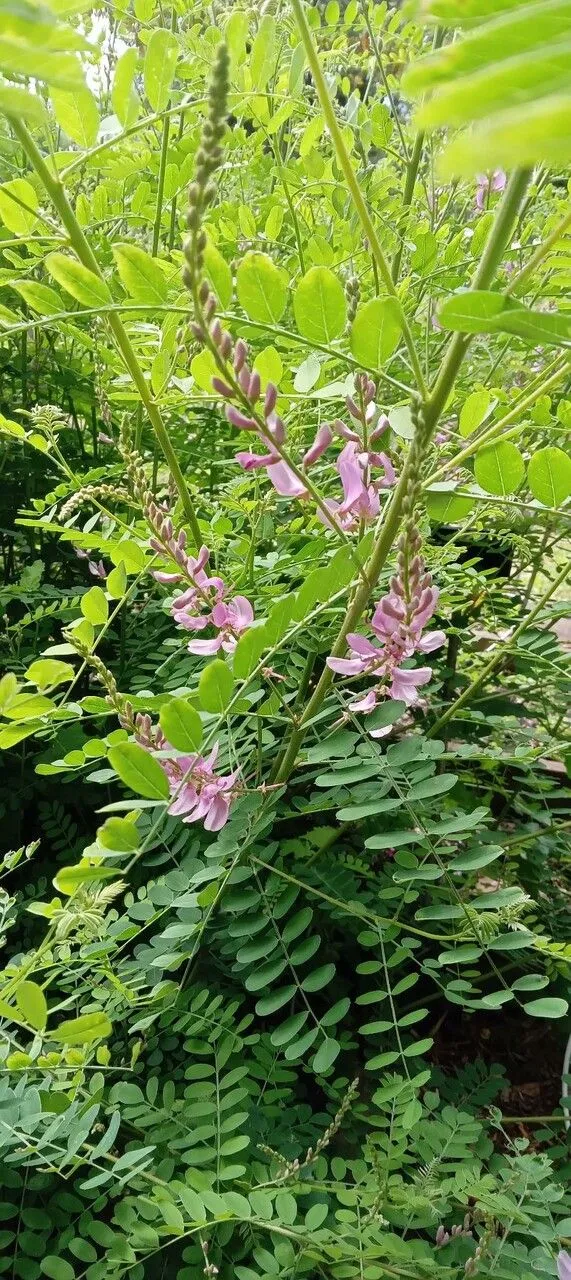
{"x":97,"y":569}
{"x":199,"y":794}
{"x":564,"y":1265}
{"x":398,"y":622}
{"x":488,"y":183}
{"x":231,"y":619}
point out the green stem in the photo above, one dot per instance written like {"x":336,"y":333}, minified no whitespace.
{"x":85,"y":254}
{"x":498,"y":657}
{"x":489,"y":263}
{"x":161,"y":186}
{"x":411,"y":176}
{"x":351,"y":179}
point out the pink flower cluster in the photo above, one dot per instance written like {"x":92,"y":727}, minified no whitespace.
{"x":263,"y":420}
{"x":203,"y":604}
{"x":398,"y":623}
{"x":355,"y":462}
{"x":354,"y":465}
{"x":199,"y":794}
{"x":488,"y":183}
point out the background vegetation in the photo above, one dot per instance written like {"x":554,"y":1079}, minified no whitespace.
{"x":299,"y":1010}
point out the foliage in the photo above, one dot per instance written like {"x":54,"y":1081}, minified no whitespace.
{"x":333,"y":818}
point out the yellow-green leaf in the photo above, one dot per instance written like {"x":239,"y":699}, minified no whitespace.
{"x":32,"y":1004}
{"x":141,"y":275}
{"x":18,"y":203}
{"x":139,"y":770}
{"x":79,"y":281}
{"x":160,"y":62}
{"x":77,"y":114}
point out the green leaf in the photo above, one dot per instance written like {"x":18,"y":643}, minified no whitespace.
{"x":263,"y":56}
{"x":119,"y":835}
{"x":539,"y":133}
{"x":83,"y":1030}
{"x":77,"y":114}
{"x":57,"y":1268}
{"x":181,"y":725}
{"x":473,"y":859}
{"x":549,"y":476}
{"x":375,"y":332}
{"x":139,"y":770}
{"x":26,"y":706}
{"x":537,"y":327}
{"x":474,"y":411}
{"x":472,"y":311}
{"x":159,"y":68}
{"x":82,"y":284}
{"x":218,"y":274}
{"x":94,"y":606}
{"x":446,"y":507}
{"x":32,"y":1004}
{"x":499,"y":468}
{"x":117,"y":581}
{"x":40,"y":297}
{"x":48,"y":673}
{"x":124,"y":97}
{"x":23,"y":105}
{"x":140,"y":274}
{"x":8,"y":690}
{"x":215,"y":686}
{"x":71,"y":878}
{"x":328,"y":1051}
{"x":319,"y":306}
{"x":435,"y":786}
{"x":262,"y":288}
{"x":547,"y":1007}
{"x":18,"y":202}
{"x":248,"y":652}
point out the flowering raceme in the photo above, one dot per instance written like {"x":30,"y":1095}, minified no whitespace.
{"x":199,"y":794}
{"x":398,"y":623}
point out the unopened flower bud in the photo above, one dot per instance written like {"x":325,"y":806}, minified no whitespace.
{"x":270,"y":398}
{"x":222,"y":388}
{"x":240,"y":353}
{"x":237,"y":419}
{"x":254,"y":387}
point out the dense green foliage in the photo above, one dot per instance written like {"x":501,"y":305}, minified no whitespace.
{"x":255,"y":1005}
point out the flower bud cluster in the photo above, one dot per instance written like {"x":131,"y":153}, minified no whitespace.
{"x":202,"y":190}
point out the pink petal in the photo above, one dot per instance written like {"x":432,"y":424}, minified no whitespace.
{"x":351,"y":477}
{"x":432,"y":640}
{"x":204,"y":647}
{"x":242,"y":613}
{"x":367,"y":703}
{"x":320,"y":444}
{"x":404,"y":687}
{"x":360,"y":644}
{"x":380,"y":733}
{"x":347,"y":666}
{"x":166,"y":578}
{"x":251,"y":461}
{"x":237,"y":419}
{"x":285,"y":482}
{"x":217,"y":814}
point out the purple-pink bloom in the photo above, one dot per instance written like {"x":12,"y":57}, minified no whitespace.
{"x":231,"y":619}
{"x":97,"y":569}
{"x":398,"y":623}
{"x":564,"y":1265}
{"x":199,"y":795}
{"x":488,"y":183}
